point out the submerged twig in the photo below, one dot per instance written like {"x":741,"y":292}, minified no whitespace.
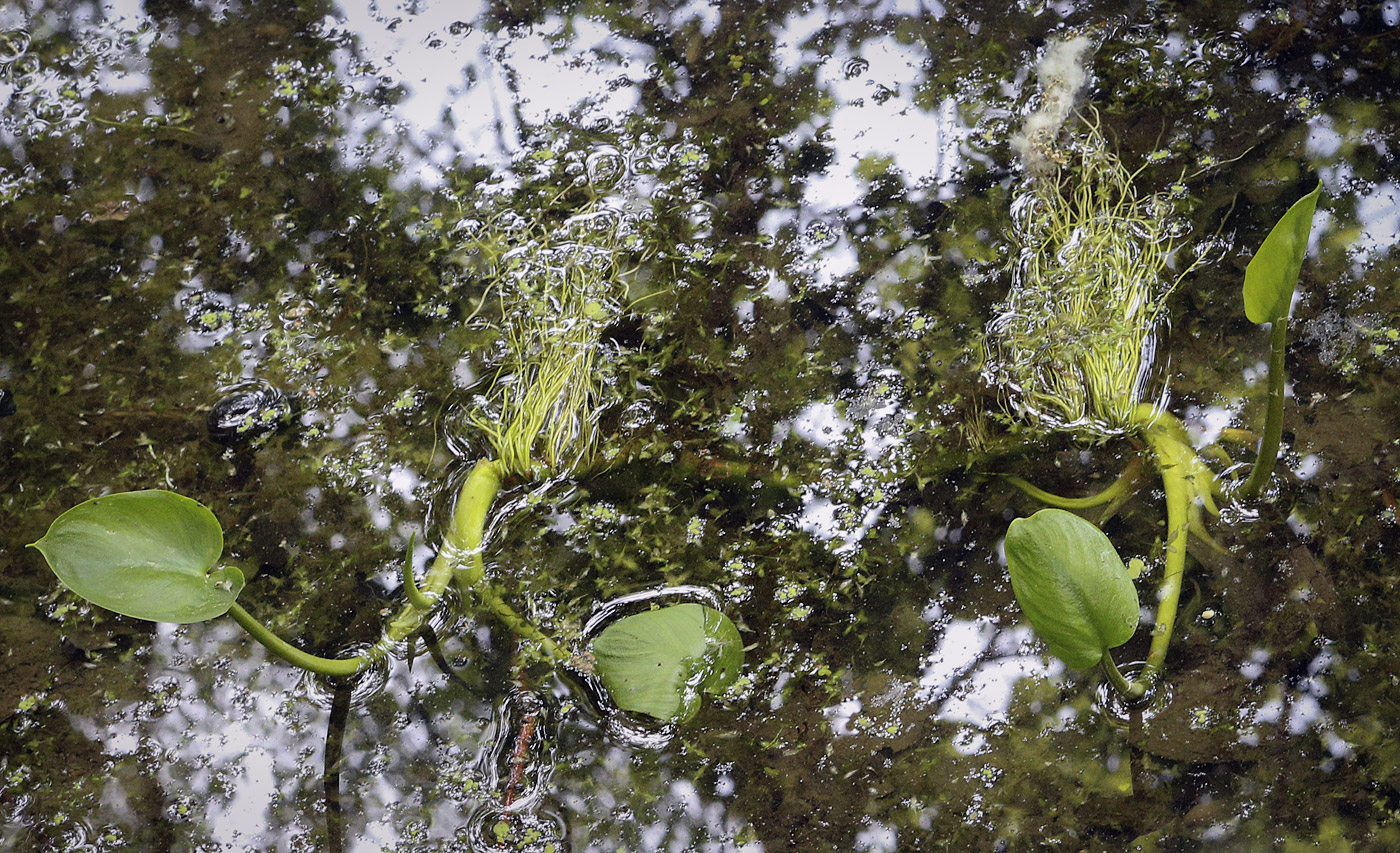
{"x":531,"y":710}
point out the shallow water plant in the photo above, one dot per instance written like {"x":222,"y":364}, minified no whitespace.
{"x":1074,"y":340}
{"x":1073,"y":587}
{"x":1073,"y":347}
{"x":150,"y":554}
{"x":154,"y":554}
{"x":660,"y":662}
{"x":1190,"y":487}
{"x":1269,"y":281}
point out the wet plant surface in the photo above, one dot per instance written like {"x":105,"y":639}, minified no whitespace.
{"x":265,"y":255}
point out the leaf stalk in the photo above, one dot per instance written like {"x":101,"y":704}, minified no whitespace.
{"x":1267,"y":457}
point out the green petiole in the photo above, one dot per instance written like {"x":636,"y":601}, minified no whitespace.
{"x":1273,"y":420}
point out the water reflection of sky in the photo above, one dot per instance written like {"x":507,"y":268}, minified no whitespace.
{"x":469,"y":93}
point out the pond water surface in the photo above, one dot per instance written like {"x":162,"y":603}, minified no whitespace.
{"x":804,"y":211}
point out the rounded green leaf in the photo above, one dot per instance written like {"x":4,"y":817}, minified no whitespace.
{"x":1072,"y":585}
{"x":1273,"y":271}
{"x":148,"y":554}
{"x":658,"y":662}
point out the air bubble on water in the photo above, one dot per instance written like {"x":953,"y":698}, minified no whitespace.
{"x":13,"y":45}
{"x":698,"y":252}
{"x":1212,"y":249}
{"x":1226,"y":49}
{"x":1158,"y":206}
{"x":820,"y":234}
{"x":688,"y":155}
{"x":605,"y":167}
{"x":1175,"y":228}
{"x":512,"y":223}
{"x":24,"y":72}
{"x":592,"y":229}
{"x":467,"y":227}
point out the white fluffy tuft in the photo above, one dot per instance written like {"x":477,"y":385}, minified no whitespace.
{"x":1063,"y":73}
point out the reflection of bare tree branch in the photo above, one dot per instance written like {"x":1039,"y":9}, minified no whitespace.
{"x":330,"y":776}
{"x":987,"y":655}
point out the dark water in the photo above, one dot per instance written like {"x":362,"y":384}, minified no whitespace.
{"x":811,"y":204}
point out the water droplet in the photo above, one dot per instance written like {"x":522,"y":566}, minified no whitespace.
{"x":13,"y":45}
{"x":854,"y":67}
{"x":459,"y":28}
{"x":249,"y":413}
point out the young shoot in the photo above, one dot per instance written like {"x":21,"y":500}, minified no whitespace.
{"x":1073,"y":343}
{"x":540,"y":415}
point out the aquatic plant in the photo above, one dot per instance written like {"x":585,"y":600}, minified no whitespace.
{"x":1073,"y":348}
{"x":1268,"y":294}
{"x":1073,"y":343}
{"x":540,"y":415}
{"x":1072,"y":585}
{"x":155,"y":554}
{"x":1189,"y":485}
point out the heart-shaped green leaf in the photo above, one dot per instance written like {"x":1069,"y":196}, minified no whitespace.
{"x":1273,"y":272}
{"x":658,"y":662}
{"x":149,"y":554}
{"x":1072,"y":585}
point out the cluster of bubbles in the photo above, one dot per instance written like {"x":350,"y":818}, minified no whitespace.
{"x":50,"y":100}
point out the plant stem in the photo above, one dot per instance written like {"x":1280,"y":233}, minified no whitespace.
{"x":461,"y":556}
{"x":1119,"y":488}
{"x":464,"y":531}
{"x":1130,"y":690}
{"x":330,"y":772}
{"x":293,"y":655}
{"x":410,"y":587}
{"x":1179,"y":466}
{"x":1273,"y":420}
